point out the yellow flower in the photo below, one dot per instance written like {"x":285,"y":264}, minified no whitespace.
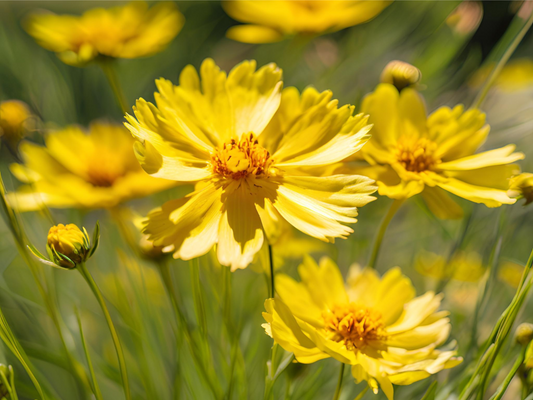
{"x":521,"y":186}
{"x":76,"y":169}
{"x":410,"y":153}
{"x":270,"y":21}
{"x":14,"y":118}
{"x":511,"y":273}
{"x":68,"y":245}
{"x":375,"y":324}
{"x":256,"y":154}
{"x":128,"y":31}
{"x":516,"y":75}
{"x":464,"y":266}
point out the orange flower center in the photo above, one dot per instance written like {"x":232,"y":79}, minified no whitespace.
{"x":239,"y":159}
{"x":355,"y":325}
{"x":104,"y":168}
{"x":416,"y":155}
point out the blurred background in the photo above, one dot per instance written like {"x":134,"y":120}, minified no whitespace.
{"x":453,"y":43}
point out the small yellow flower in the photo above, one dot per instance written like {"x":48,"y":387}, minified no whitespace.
{"x":257,"y":156}
{"x":271,"y":21}
{"x":14,"y":118}
{"x":374,"y":324}
{"x":401,"y":74}
{"x":511,"y":273}
{"x":521,"y":187}
{"x":76,"y":169}
{"x":129,"y":31}
{"x":411,"y":153}
{"x":464,"y":266}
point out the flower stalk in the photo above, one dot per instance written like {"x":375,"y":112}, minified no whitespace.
{"x":395,"y":206}
{"x":338,"y":389}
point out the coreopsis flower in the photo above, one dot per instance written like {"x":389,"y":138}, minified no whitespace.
{"x":271,"y":21}
{"x":68,"y":246}
{"x":521,"y":187}
{"x":374,"y":324}
{"x":94,"y":169}
{"x":401,"y":74}
{"x":411,"y":153}
{"x":516,"y":75}
{"x":257,"y":155}
{"x":128,"y":31}
{"x":15,"y":116}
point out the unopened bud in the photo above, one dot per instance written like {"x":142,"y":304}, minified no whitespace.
{"x":521,"y":187}
{"x":401,"y":74}
{"x":68,"y":245}
{"x":524,"y":334}
{"x":14,"y":117}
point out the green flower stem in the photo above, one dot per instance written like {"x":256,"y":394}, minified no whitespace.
{"x":362,"y":394}
{"x":272,"y":292}
{"x":338,"y":390}
{"x":166,"y":277}
{"x":501,"y":63}
{"x":381,"y":232}
{"x":107,"y":66}
{"x":271,"y":374}
{"x":116,"y":341}
{"x":96,"y":388}
{"x":506,"y":382}
{"x":19,"y":235}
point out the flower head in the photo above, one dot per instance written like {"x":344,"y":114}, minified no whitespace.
{"x":411,"y":153}
{"x":463,"y":267}
{"x":128,"y":31}
{"x":376,"y":325}
{"x":270,"y":22}
{"x":255,"y":154}
{"x":68,"y":246}
{"x":95,"y":169}
{"x":521,"y":187}
{"x":14,"y":118}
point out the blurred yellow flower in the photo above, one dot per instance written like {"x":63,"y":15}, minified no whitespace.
{"x":511,"y":273}
{"x":516,"y":75}
{"x":464,"y":266}
{"x":374,"y":324}
{"x":97,"y":169}
{"x":521,"y":187}
{"x":271,"y":21}
{"x":410,"y":153}
{"x":128,"y":31}
{"x":254,"y":153}
{"x":14,"y":118}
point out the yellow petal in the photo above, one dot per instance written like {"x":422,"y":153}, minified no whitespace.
{"x":489,"y":158}
{"x":403,"y":190}
{"x":441,"y":204}
{"x":383,"y":107}
{"x":488,"y":196}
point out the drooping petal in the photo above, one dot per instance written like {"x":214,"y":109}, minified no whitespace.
{"x":477,"y":194}
{"x":254,"y":34}
{"x":440,"y":203}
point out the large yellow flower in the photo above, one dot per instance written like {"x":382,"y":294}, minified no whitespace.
{"x":375,"y":324}
{"x":97,"y":169}
{"x":257,"y":155}
{"x":410,"y":153}
{"x":270,"y":21}
{"x":128,"y":31}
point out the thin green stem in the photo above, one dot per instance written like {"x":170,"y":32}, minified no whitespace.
{"x":338,"y":389}
{"x":381,"y":232}
{"x":363,"y":392}
{"x":507,"y":381}
{"x":96,"y":388}
{"x":107,"y":66}
{"x":166,"y":277}
{"x":116,"y":341}
{"x":498,"y":68}
{"x":271,"y":262}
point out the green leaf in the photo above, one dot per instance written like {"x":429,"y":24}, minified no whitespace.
{"x":431,"y":392}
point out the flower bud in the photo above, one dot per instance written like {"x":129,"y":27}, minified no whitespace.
{"x":68,"y":245}
{"x":14,"y":116}
{"x":524,"y":334}
{"x":521,"y":187}
{"x":401,"y":74}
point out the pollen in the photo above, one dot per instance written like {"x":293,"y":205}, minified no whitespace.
{"x":354,"y":325}
{"x":416,"y":155}
{"x":240,"y":159}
